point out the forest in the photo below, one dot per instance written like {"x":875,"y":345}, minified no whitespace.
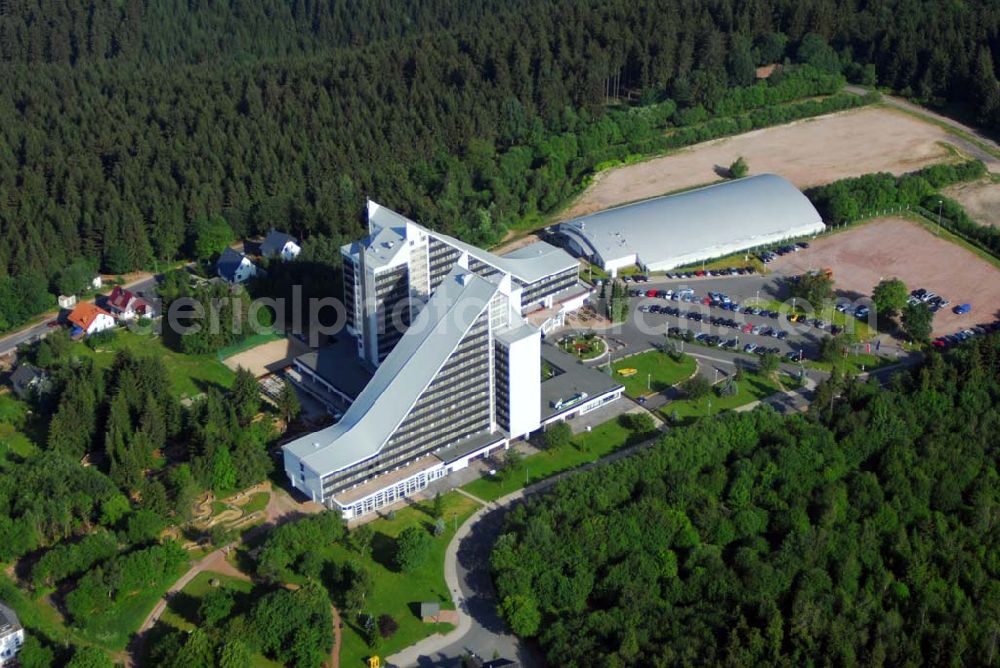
{"x":864,"y":532}
{"x":123,"y":125}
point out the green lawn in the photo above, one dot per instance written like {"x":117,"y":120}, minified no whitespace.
{"x":397,"y":593}
{"x":655,"y":372}
{"x":34,"y":614}
{"x":734,"y":260}
{"x":248,"y":343}
{"x":13,"y":416}
{"x":602,"y":440}
{"x":257,"y":502}
{"x":860,"y":328}
{"x":753,"y":387}
{"x":114,"y":630}
{"x":190,"y":375}
{"x":853,"y":364}
{"x":182,"y":611}
{"x":586,"y":347}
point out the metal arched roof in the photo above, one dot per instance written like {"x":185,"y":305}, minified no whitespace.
{"x":669,"y":231}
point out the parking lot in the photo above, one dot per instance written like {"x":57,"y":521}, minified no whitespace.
{"x":863,"y":255}
{"x":739,"y":319}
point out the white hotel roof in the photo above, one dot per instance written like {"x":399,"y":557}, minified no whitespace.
{"x":401,"y":378}
{"x":529,"y":264}
{"x":706,"y":222}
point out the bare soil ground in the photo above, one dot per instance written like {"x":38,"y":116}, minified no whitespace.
{"x":980,"y":199}
{"x":808,"y":153}
{"x":893,"y":247}
{"x":268,"y":357}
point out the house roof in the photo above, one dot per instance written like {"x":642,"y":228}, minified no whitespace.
{"x":275,"y":242}
{"x":228,"y":263}
{"x":84,"y":314}
{"x":8,"y":621}
{"x":24,"y":376}
{"x":120,"y":298}
{"x":401,"y":378}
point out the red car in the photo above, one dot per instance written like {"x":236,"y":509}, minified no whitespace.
{"x":706,"y":301}
{"x":52,"y":323}
{"x":747,"y":328}
{"x":699,"y":273}
{"x":650,"y":293}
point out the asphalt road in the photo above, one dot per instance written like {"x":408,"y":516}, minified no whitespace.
{"x":9,"y":343}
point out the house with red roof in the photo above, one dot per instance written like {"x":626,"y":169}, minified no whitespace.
{"x":87,"y":318}
{"x":126,"y":305}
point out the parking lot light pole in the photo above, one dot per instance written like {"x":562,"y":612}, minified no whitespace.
{"x":940,"y":205}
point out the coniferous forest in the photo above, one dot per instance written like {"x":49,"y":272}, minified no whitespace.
{"x":864,"y":533}
{"x":124,"y":124}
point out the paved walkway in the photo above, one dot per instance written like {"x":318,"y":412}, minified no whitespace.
{"x":281,"y":508}
{"x":335,"y":652}
{"x":466,"y":571}
{"x":214,"y":561}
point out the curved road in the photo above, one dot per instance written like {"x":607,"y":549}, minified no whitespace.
{"x":480,"y":629}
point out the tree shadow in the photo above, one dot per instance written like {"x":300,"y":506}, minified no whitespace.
{"x":185,"y":606}
{"x":384,"y":551}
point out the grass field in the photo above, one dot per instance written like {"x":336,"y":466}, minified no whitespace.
{"x":35,"y":615}
{"x":397,"y":593}
{"x":182,"y":611}
{"x":190,"y":375}
{"x":13,"y":415}
{"x":853,"y":363}
{"x":257,"y":502}
{"x":655,"y":372}
{"x":587,"y":447}
{"x":113,"y":631}
{"x":862,"y":331}
{"x":753,"y":387}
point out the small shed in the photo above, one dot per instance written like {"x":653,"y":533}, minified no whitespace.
{"x":67,"y":301}
{"x":430,"y":611}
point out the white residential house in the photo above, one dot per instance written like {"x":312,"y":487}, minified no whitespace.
{"x":235,"y":267}
{"x":126,"y":305}
{"x":11,"y":635}
{"x":88,"y":318}
{"x":280,"y":245}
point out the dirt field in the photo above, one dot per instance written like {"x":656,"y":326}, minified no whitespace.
{"x":268,"y":357}
{"x":892,"y":247}
{"x":980,"y":199}
{"x":808,"y":153}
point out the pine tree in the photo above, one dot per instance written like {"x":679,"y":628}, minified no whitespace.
{"x":245,"y":396}
{"x":288,"y":403}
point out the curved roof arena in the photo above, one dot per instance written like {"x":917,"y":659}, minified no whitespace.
{"x":677,"y":230}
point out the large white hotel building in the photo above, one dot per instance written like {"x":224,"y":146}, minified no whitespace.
{"x":456,"y":366}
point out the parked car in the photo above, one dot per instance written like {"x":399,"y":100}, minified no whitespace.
{"x":962,"y":309}
{"x":750,"y":347}
{"x":747,"y":328}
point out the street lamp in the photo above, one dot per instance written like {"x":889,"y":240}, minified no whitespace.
{"x":940,"y":205}
{"x":649,"y":377}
